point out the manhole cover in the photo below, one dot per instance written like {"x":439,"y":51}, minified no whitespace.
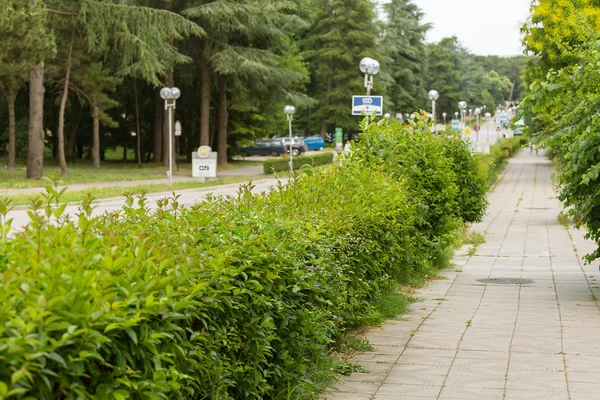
{"x":506,"y":281}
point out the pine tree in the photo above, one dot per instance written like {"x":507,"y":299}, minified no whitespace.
{"x":244,"y":42}
{"x":344,"y":31}
{"x":445,"y":74}
{"x":140,"y":36}
{"x":403,"y":41}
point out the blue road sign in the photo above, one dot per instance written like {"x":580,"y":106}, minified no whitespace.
{"x":367,"y":105}
{"x":456,"y":124}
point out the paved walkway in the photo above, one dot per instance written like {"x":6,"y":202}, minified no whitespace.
{"x":471,"y":340}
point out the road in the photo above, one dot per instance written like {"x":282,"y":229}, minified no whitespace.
{"x":488,"y":129}
{"x":187,"y":198}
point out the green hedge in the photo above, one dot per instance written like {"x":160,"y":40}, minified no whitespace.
{"x":233,"y":298}
{"x":283,"y":164}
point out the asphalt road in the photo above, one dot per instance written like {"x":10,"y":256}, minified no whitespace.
{"x":187,"y":198}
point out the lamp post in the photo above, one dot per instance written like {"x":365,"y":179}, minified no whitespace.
{"x":433,"y":96}
{"x":462,"y":105}
{"x":170,"y":96}
{"x":477,"y":112}
{"x":444,"y":115}
{"x":369,"y":67}
{"x":488,"y":116}
{"x":289,"y":111}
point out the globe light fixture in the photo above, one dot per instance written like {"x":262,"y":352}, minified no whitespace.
{"x":369,"y":67}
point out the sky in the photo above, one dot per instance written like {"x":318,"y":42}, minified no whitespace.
{"x":485,"y":27}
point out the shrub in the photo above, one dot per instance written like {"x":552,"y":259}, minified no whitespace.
{"x":283,"y":164}
{"x":471,"y":178}
{"x":233,"y":298}
{"x":415,"y":156}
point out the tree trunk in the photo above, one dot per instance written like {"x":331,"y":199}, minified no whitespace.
{"x":512,"y":91}
{"x":222,"y":145}
{"x":205,"y":106}
{"x":212,"y":142}
{"x":61,"y":114}
{"x":328,"y":102}
{"x":35,"y":147}
{"x":96,"y":135}
{"x":170,"y":83}
{"x":72,"y":138}
{"x":158,"y":121}
{"x":12,"y":132}
{"x":137,"y":126}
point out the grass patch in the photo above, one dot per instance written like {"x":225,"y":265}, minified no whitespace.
{"x":443,"y":258}
{"x":391,"y":304}
{"x":116,"y":191}
{"x":84,"y":172}
{"x":564,"y":219}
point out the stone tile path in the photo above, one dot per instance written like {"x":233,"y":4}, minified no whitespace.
{"x":471,"y":340}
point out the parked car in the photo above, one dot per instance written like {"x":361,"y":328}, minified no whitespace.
{"x":298,"y":147}
{"x":314,"y":143}
{"x":273,"y":148}
{"x":518,"y":131}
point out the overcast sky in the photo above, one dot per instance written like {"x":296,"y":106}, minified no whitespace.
{"x":485,"y":27}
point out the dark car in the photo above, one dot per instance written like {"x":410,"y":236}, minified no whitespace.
{"x":265,"y":148}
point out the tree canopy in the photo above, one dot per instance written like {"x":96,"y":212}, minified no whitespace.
{"x":237,"y":64}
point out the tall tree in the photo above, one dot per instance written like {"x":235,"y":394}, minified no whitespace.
{"x":245,"y":40}
{"x":139,"y":35}
{"x":445,"y":73}
{"x":25,"y":41}
{"x":403,"y":41}
{"x":343,"y":32}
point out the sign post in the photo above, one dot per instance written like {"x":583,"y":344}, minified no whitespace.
{"x":204,"y":164}
{"x":367,"y":105}
{"x":339,"y":139}
{"x":456,"y":124}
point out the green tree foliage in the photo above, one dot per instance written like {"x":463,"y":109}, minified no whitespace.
{"x":403,"y":42}
{"x":237,"y":63}
{"x":444,"y":74}
{"x":569,"y":97}
{"x":343,"y":32}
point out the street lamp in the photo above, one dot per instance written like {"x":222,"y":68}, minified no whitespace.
{"x":433,"y":96}
{"x":462,"y":105}
{"x":369,"y":67}
{"x":444,"y":115}
{"x":488,"y":116}
{"x":289,"y":111}
{"x":387,"y":115}
{"x":477,"y":113}
{"x":170,"y":96}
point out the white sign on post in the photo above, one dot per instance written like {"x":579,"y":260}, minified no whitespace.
{"x":204,"y":164}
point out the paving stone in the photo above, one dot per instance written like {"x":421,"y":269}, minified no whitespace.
{"x":457,"y":342}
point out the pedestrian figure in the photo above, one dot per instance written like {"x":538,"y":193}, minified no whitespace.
{"x":347,"y":147}
{"x":530,"y":148}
